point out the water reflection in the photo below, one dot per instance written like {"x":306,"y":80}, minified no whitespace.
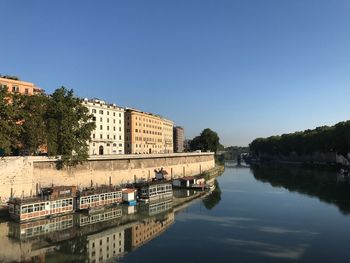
{"x":326,"y":184}
{"x":99,"y":237}
{"x":212,"y":200}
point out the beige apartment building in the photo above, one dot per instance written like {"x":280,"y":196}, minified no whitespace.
{"x":108,"y":136}
{"x":147,"y":133}
{"x":18,"y":86}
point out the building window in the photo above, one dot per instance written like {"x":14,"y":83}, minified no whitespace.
{"x":101,"y":111}
{"x":107,"y":112}
{"x":15,"y":89}
{"x":93,"y":111}
{"x":100,"y":136}
{"x":26,"y":91}
{"x":120,"y":137}
{"x":121,"y":115}
{"x":107,"y":119}
{"x":107,"y":136}
{"x":100,"y":119}
{"x":93,"y":136}
{"x":100,"y":127}
{"x":107,"y":128}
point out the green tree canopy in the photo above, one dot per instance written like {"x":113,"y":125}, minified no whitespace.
{"x":33,"y":133}
{"x":69,"y":127}
{"x":208,"y":140}
{"x":9,"y":119}
{"x":322,"y":139}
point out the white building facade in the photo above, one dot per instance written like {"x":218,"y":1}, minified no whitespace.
{"x":108,"y":136}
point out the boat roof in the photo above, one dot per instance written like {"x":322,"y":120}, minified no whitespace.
{"x":128,"y":190}
{"x":36,"y":199}
{"x":98,"y":190}
{"x":151,"y":183}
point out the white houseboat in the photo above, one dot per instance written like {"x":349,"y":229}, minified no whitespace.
{"x":155,"y":190}
{"x":91,"y":198}
{"x":50,"y":202}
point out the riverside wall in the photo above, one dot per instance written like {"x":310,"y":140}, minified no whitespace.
{"x":24,"y":175}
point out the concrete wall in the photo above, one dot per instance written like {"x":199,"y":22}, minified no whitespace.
{"x":25,"y":174}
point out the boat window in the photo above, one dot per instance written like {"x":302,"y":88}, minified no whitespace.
{"x":58,"y":203}
{"x":24,"y":209}
{"x":30,"y":208}
{"x":36,"y":207}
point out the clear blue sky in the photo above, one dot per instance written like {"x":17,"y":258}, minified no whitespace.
{"x":245,"y":69}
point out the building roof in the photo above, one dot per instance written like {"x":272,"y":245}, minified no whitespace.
{"x":102,"y":103}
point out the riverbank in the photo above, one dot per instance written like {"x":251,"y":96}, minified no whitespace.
{"x":25,"y":175}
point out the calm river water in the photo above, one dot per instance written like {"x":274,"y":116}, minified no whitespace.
{"x":255,"y":215}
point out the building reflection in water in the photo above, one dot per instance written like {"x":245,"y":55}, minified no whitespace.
{"x":100,"y":237}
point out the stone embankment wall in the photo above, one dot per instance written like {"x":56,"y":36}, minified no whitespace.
{"x":24,"y":175}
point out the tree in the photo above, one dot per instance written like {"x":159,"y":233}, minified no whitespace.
{"x":9,"y":119}
{"x":322,"y":139}
{"x":69,"y":127}
{"x":33,"y":134}
{"x":208,"y":140}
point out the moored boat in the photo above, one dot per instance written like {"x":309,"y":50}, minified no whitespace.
{"x":155,"y":190}
{"x":92,"y":198}
{"x":51,"y":201}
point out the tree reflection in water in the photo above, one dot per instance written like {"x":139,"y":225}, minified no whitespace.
{"x":74,"y":250}
{"x":322,"y":183}
{"x":214,"y":198}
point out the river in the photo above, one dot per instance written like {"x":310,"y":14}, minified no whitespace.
{"x":261,"y":214}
